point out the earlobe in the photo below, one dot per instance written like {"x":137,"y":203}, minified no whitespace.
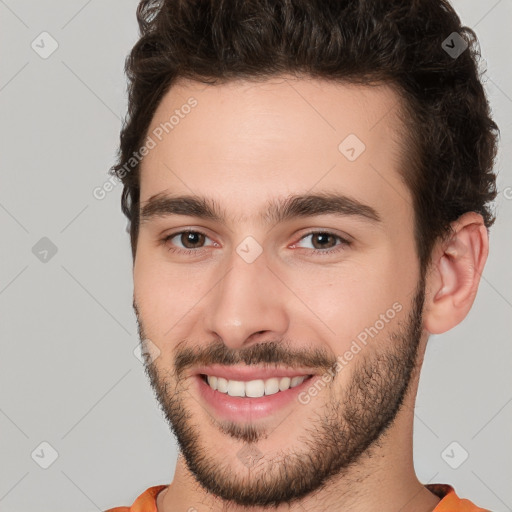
{"x":457,"y":265}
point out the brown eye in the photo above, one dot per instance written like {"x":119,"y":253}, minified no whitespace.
{"x":186,"y":242}
{"x":325,"y":242}
{"x":191,"y":239}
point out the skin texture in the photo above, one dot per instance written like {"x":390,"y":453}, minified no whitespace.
{"x":243,"y":144}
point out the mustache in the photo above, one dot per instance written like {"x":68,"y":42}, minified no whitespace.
{"x":266,"y":353}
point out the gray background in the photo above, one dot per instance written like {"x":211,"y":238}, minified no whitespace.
{"x":68,"y":374}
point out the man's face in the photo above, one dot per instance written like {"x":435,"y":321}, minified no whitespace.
{"x":274,"y":287}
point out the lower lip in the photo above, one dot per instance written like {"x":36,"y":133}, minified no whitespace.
{"x":237,"y":408}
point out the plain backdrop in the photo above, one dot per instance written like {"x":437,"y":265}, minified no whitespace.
{"x":73,"y":396}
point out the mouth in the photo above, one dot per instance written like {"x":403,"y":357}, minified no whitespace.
{"x":253,"y":388}
{"x":248,"y":394}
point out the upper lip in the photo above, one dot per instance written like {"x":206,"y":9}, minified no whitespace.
{"x":247,"y":373}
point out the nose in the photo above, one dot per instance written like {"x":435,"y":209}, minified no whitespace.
{"x":247,"y":302}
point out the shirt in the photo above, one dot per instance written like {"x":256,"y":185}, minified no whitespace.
{"x":450,"y":502}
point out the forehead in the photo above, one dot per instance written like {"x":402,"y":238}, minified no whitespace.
{"x":242,"y":142}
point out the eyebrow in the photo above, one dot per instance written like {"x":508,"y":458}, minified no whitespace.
{"x":275,"y":211}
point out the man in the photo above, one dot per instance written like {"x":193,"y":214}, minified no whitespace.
{"x":308,"y":188}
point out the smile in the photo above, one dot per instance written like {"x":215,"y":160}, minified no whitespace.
{"x":247,"y":394}
{"x":253,"y":388}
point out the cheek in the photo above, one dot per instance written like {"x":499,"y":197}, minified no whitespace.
{"x":168,"y":296}
{"x":349,"y":300}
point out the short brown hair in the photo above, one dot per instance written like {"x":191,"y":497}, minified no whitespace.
{"x":454,"y":139}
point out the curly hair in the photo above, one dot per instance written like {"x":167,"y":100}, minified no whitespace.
{"x":453,"y":140}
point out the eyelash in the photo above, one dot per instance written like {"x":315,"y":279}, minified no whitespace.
{"x":344,"y":243}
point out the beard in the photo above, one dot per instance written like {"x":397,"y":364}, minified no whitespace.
{"x":339,"y":433}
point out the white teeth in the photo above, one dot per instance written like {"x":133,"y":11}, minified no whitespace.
{"x":236,"y":388}
{"x":254,"y":388}
{"x":296,"y":381}
{"x":212,"y":380}
{"x":222,"y":385}
{"x":271,"y":386}
{"x":284,"y":383}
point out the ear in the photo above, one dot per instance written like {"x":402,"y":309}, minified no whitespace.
{"x":456,"y":266}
